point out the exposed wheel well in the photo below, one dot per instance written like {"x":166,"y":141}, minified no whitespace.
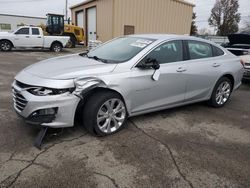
{"x":7,"y":40}
{"x":231,"y":78}
{"x":81,"y":104}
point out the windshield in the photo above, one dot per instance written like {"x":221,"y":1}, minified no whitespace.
{"x":120,"y":50}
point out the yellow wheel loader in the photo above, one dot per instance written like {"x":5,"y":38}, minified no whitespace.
{"x":55,"y":26}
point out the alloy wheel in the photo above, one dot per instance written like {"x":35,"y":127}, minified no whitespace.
{"x":223,"y":93}
{"x":111,"y":116}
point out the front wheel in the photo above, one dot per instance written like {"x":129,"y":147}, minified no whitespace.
{"x":104,"y":113}
{"x":5,"y":46}
{"x":221,"y":93}
{"x":56,"y":47}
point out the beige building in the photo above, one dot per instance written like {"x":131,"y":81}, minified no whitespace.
{"x":106,"y":19}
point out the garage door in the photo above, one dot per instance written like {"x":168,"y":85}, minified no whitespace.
{"x":80,"y":19}
{"x":91,"y":14}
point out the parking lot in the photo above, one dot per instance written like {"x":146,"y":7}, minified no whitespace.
{"x":190,"y":146}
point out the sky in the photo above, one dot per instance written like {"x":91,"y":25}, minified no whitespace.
{"x":41,"y":7}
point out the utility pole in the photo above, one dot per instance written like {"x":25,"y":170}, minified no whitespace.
{"x":66,"y":10}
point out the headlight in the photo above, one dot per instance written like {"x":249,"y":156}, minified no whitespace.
{"x":42,"y":91}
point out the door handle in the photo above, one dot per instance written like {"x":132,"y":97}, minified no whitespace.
{"x":216,"y":65}
{"x":27,"y":36}
{"x":181,"y":69}
{"x":39,"y":37}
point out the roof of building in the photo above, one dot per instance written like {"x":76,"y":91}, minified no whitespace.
{"x":82,"y":3}
{"x":22,"y":16}
{"x":89,"y":1}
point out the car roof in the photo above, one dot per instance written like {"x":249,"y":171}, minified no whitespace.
{"x":168,"y":37}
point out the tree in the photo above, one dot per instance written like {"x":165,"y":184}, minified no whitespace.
{"x":205,"y":31}
{"x":193,"y":25}
{"x":225,"y":17}
{"x":246,"y":27}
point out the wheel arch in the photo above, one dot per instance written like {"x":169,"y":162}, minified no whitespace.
{"x":89,"y":93}
{"x":8,"y":41}
{"x":56,"y":41}
{"x":230,"y":77}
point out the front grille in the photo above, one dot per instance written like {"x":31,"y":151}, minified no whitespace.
{"x":247,"y":64}
{"x":19,"y":101}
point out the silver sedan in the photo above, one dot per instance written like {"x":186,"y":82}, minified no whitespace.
{"x":125,"y":77}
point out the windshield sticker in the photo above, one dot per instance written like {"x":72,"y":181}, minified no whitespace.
{"x":138,"y":45}
{"x":144,"y":41}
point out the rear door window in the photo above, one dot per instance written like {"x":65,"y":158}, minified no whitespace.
{"x":35,"y":31}
{"x":199,"y":50}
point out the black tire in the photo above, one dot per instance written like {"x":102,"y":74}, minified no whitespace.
{"x":72,"y":42}
{"x":213,"y":102}
{"x":6,"y":46}
{"x":56,"y":47}
{"x":91,"y":109}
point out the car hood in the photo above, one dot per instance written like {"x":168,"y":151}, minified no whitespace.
{"x":5,"y":33}
{"x":69,"y":67}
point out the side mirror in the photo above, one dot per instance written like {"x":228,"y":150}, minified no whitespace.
{"x":148,"y":64}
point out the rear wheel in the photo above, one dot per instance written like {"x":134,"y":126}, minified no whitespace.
{"x":221,"y":93}
{"x":5,"y":45}
{"x":56,"y":47}
{"x":104,"y":113}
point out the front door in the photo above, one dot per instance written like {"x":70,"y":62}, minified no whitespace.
{"x":91,"y":23}
{"x":22,"y":37}
{"x":149,"y":94}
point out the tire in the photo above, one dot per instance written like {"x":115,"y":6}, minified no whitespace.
{"x":72,"y":43}
{"x":221,"y":93}
{"x":56,"y":47}
{"x":5,"y":45}
{"x":110,"y":121}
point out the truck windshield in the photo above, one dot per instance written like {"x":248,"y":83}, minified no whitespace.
{"x":120,"y":50}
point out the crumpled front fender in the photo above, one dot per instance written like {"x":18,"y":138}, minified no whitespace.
{"x":86,"y":84}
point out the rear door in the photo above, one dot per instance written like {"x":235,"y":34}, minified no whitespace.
{"x":36,"y":38}
{"x":203,"y":70}
{"x":22,"y":37}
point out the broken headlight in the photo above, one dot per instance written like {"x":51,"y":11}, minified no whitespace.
{"x":42,"y":91}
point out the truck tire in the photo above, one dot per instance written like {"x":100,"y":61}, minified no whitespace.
{"x":56,"y":47}
{"x":5,"y":45}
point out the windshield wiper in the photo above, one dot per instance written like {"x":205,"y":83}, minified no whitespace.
{"x":85,"y":53}
{"x":97,"y":58}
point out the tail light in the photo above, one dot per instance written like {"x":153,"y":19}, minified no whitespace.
{"x":242,"y":62}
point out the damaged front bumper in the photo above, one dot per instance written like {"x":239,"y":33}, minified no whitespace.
{"x":55,"y":111}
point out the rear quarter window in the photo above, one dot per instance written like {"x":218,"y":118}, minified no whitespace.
{"x":217,"y":51}
{"x":199,"y":50}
